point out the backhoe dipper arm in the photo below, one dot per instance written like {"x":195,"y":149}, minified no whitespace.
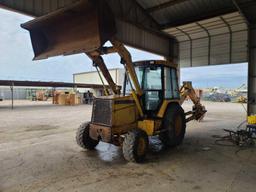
{"x":198,"y":110}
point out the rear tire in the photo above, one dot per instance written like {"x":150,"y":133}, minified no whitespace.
{"x":175,"y":123}
{"x":83,"y":138}
{"x":135,"y":145}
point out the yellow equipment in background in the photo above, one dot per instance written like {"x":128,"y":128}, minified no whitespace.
{"x":251,"y":119}
{"x":241,"y":99}
{"x":150,"y":103}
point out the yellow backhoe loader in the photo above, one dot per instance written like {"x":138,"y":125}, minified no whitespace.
{"x":150,"y":103}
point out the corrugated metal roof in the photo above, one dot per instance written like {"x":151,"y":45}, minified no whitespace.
{"x":151,"y":3}
{"x":165,"y":12}
{"x":232,"y":22}
{"x":36,"y":7}
{"x":176,"y":12}
{"x":209,"y":31}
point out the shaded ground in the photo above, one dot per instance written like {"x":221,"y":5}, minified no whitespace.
{"x":38,"y":153}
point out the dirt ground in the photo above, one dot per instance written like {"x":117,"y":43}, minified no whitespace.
{"x":38,"y":153}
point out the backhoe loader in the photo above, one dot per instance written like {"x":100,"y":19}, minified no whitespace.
{"x":150,"y":102}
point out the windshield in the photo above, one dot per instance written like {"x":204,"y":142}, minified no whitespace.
{"x":150,"y":81}
{"x":149,"y":78}
{"x":152,"y":78}
{"x":157,"y":83}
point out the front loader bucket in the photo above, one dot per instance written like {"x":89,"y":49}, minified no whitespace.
{"x":82,"y":27}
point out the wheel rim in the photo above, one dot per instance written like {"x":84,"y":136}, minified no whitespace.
{"x":178,"y":125}
{"x":141,"y":146}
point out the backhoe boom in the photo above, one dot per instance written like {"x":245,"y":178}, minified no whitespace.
{"x":198,"y":110}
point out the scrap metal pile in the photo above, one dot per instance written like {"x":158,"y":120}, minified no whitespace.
{"x":217,"y":94}
{"x":241,"y":138}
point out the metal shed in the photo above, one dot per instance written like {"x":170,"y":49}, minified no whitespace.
{"x":191,"y":32}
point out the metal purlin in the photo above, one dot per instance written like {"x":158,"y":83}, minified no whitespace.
{"x":230,"y":38}
{"x":191,"y":44}
{"x":241,"y":12}
{"x":209,"y":41}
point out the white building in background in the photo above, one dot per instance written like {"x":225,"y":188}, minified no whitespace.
{"x":92,"y":77}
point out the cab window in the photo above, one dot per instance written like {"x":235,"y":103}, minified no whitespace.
{"x":152,"y":86}
{"x":171,"y":84}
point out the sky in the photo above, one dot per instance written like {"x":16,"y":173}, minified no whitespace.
{"x":16,"y":61}
{"x":226,"y":76}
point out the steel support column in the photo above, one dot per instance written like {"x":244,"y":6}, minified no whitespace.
{"x":252,"y":70}
{"x":247,"y":9}
{"x":12,"y":87}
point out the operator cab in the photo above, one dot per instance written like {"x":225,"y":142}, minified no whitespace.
{"x":158,"y":81}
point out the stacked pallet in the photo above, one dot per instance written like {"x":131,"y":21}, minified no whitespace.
{"x":66,"y":98}
{"x":41,"y":96}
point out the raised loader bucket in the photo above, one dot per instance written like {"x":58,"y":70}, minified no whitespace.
{"x":82,"y":27}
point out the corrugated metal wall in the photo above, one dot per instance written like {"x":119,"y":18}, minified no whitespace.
{"x":219,"y":50}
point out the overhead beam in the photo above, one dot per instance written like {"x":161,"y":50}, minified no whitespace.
{"x":246,"y":9}
{"x":164,"y":5}
{"x":48,"y":84}
{"x":131,"y":11}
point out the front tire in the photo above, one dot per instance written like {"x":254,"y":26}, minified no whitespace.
{"x":174,"y":123}
{"x":83,"y":138}
{"x":135,"y":145}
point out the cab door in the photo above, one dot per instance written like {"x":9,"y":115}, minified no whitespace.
{"x":152,"y":86}
{"x":171,"y":86}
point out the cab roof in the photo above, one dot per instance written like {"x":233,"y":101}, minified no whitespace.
{"x":155,"y":62}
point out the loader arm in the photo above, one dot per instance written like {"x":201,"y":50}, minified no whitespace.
{"x":99,"y":62}
{"x":130,"y":71}
{"x":126,"y":56}
{"x":126,"y":60}
{"x":198,"y":110}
